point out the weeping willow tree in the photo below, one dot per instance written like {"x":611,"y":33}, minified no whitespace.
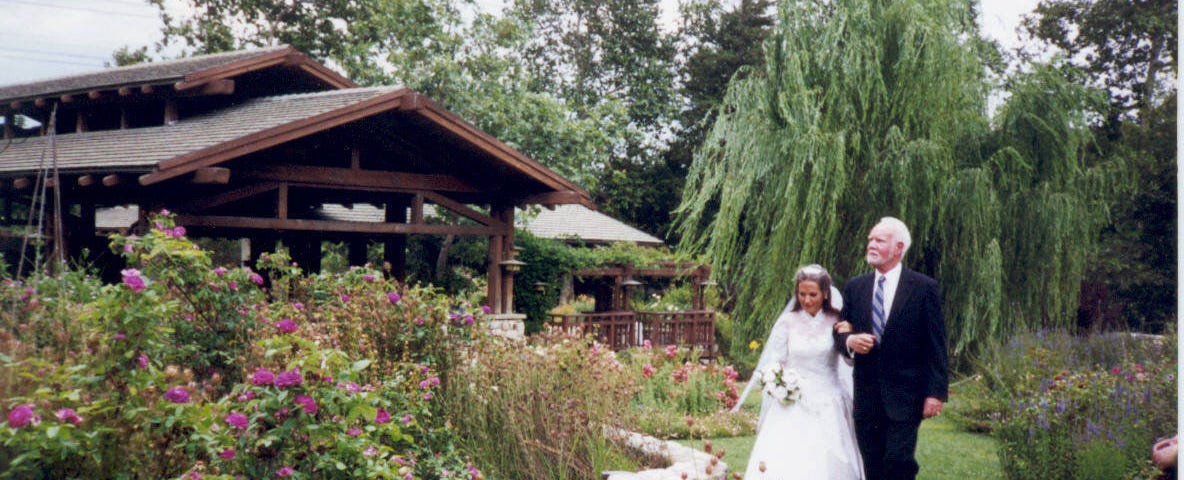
{"x":874,"y":108}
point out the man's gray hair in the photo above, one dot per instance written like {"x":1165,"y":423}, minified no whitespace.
{"x":900,"y":232}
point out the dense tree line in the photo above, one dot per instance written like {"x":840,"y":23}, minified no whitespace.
{"x":772,"y":134}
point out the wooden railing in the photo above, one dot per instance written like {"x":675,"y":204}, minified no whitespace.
{"x":621,"y":330}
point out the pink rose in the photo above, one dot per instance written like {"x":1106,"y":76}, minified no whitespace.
{"x":382,"y":416}
{"x":262,"y":376}
{"x":23,"y":415}
{"x":68,"y":415}
{"x":131,"y":278}
{"x":226,"y":454}
{"x":393,"y":297}
{"x":307,"y":404}
{"x":238,"y":420}
{"x":286,"y":325}
{"x":289,"y":378}
{"x":177,"y":395}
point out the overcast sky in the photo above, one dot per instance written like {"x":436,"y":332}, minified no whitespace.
{"x":49,"y":38}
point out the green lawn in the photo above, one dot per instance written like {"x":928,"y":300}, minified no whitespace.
{"x":944,"y":452}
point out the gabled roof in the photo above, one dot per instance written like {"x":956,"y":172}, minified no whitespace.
{"x":182,"y":74}
{"x":142,"y":149}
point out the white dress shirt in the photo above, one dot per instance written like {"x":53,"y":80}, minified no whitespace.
{"x":893,"y":280}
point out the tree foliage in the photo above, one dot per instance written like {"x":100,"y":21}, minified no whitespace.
{"x":867,"y":109}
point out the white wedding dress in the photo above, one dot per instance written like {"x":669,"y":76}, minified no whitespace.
{"x":814,"y":437}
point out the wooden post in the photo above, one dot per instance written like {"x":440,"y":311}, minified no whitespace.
{"x":357,"y":251}
{"x":494,"y":274}
{"x":506,"y":214}
{"x":394,"y":251}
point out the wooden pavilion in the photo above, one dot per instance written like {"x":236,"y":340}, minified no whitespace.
{"x":251,"y":144}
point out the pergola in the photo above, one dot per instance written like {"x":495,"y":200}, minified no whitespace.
{"x":253,"y":144}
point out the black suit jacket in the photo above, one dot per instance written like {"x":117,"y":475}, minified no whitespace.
{"x":911,"y":362}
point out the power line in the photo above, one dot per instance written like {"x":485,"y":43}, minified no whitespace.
{"x":80,"y":9}
{"x":52,"y":53}
{"x":46,"y":60}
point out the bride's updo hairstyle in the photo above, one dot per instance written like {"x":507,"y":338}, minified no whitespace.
{"x":814,"y":273}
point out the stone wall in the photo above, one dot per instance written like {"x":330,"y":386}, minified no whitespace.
{"x":685,"y":462}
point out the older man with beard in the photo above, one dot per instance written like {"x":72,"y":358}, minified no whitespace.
{"x":894,"y":329}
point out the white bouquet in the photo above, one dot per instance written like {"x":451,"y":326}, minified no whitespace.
{"x":782,"y":384}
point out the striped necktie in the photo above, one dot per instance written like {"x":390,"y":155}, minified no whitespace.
{"x":878,"y":308}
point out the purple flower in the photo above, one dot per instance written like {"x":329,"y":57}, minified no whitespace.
{"x":344,"y":298}
{"x":427,"y":396}
{"x":298,"y":306}
{"x":177,"y":395}
{"x":369,"y":278}
{"x":393,"y":297}
{"x":256,"y":278}
{"x":176,"y":232}
{"x":233,"y":285}
{"x":468,"y":319}
{"x":353,"y":432}
{"x":290,"y":378}
{"x":262,"y":376}
{"x":285,"y":472}
{"x":164,"y":211}
{"x":238,"y":420}
{"x":407,"y":419}
{"x":142,"y":361}
{"x":119,"y":336}
{"x":307,"y":404}
{"x":220,"y":271}
{"x":226,"y":454}
{"x":131,"y":278}
{"x":247,"y":395}
{"x":382,"y":416}
{"x":418,"y":320}
{"x":485,"y":309}
{"x":68,"y":415}
{"x":286,"y":325}
{"x":352,"y":387}
{"x":369,"y":451}
{"x":22,"y":415}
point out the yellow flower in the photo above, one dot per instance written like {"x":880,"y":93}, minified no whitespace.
{"x":753,"y":345}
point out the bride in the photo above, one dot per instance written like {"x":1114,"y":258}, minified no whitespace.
{"x":813,"y":436}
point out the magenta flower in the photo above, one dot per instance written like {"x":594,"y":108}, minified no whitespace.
{"x":298,"y":306}
{"x":262,"y":376}
{"x":344,"y":298}
{"x":671,"y":351}
{"x":220,"y":271}
{"x":352,"y":387}
{"x":165,"y":211}
{"x":142,"y":361}
{"x":407,"y":419}
{"x":233,"y":285}
{"x":176,"y":232}
{"x":647,"y":370}
{"x":369,"y":278}
{"x":393,"y":297}
{"x":382,"y":416}
{"x":286,"y":325}
{"x":468,"y":320}
{"x":285,"y":472}
{"x":290,"y":378}
{"x":307,"y":404}
{"x":226,"y":454}
{"x":353,"y":432}
{"x":256,"y":278}
{"x":68,"y":415}
{"x":131,"y":278}
{"x":485,"y":309}
{"x":177,"y":395}
{"x":427,"y":396}
{"x":247,"y":395}
{"x":238,"y":420}
{"x":119,"y":336}
{"x":418,"y":321}
{"x":23,"y":415}
{"x":369,"y":451}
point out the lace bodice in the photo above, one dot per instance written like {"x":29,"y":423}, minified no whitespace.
{"x":804,"y":343}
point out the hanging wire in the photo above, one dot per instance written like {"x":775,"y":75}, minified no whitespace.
{"x":37,"y":202}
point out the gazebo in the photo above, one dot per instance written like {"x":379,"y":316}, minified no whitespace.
{"x":252,"y":144}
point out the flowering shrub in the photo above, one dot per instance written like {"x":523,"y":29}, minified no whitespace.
{"x":676,"y":385}
{"x":185,"y":370}
{"x":1069,"y":407}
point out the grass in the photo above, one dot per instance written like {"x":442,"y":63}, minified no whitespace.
{"x":944,"y":452}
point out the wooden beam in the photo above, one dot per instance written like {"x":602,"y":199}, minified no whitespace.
{"x":461,"y":208}
{"x":222,"y":86}
{"x":80,"y":123}
{"x":94,"y":94}
{"x":558,"y":198}
{"x":124,"y":91}
{"x":215,"y":221}
{"x":170,"y":112}
{"x":345,"y":177}
{"x":39,"y":103}
{"x":66,"y":98}
{"x":87,"y":180}
{"x":146,"y":89}
{"x":111,"y":180}
{"x":211,"y":175}
{"x":234,"y":195}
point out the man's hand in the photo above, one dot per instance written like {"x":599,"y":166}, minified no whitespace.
{"x":932,"y":407}
{"x":843,"y":327}
{"x":861,"y":342}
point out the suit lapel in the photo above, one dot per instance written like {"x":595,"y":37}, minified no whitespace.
{"x":903,"y":289}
